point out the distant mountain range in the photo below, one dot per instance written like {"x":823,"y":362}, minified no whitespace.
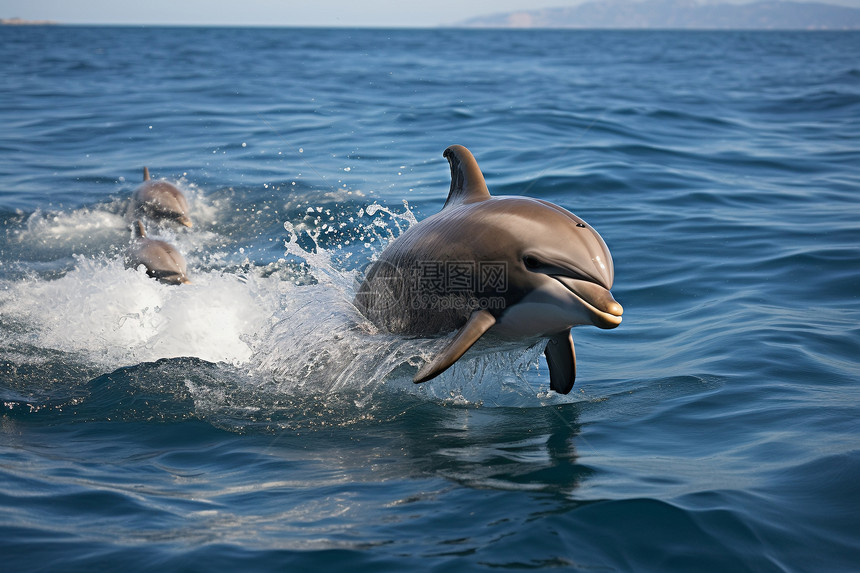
{"x":23,"y":22}
{"x":679,"y":14}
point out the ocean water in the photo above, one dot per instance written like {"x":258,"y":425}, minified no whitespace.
{"x":253,"y":420}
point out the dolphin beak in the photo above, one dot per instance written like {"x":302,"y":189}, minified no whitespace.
{"x":186,"y":221}
{"x":605,"y":310}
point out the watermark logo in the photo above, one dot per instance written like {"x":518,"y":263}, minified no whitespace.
{"x":450,"y":277}
{"x":459,"y":285}
{"x":442,"y":286}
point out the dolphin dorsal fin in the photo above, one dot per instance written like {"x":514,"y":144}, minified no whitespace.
{"x":138,"y":230}
{"x":467,"y":181}
{"x":146,"y":174}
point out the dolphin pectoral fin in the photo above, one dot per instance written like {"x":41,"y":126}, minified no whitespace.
{"x":561,"y":359}
{"x":146,"y":174}
{"x":137,"y":229}
{"x":479,"y":322}
{"x":467,"y":181}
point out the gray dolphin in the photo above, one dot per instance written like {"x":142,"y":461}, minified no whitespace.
{"x":159,"y":200}
{"x":162,"y":260}
{"x":514,"y":267}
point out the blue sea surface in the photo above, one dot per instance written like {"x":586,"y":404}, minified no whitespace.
{"x":254,"y":421}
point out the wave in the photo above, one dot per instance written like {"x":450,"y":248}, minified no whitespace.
{"x":257,"y":336}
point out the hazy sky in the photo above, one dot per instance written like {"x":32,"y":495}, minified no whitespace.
{"x":384,"y":13}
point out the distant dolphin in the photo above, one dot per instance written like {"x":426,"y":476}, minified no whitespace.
{"x":159,"y":200}
{"x":516,"y":267}
{"x":162,"y":261}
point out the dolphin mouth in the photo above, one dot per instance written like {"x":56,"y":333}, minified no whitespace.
{"x":169,"y":277}
{"x":605,"y":310}
{"x":183,"y":220}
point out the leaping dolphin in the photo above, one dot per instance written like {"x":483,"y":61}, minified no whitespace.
{"x":159,"y":200}
{"x":514,"y":267}
{"x":162,"y":261}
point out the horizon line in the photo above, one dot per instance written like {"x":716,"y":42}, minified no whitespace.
{"x":4,"y":22}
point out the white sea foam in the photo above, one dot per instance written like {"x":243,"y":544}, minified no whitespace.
{"x":291,"y":332}
{"x":81,"y":230}
{"x":116,"y":317}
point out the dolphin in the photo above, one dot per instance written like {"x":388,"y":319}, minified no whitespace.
{"x":162,"y":260}
{"x":159,"y":200}
{"x":514,"y":268}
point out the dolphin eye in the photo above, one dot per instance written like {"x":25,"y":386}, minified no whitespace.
{"x":580,"y":225}
{"x":531,"y":262}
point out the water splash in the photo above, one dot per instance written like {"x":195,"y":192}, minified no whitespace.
{"x":323,"y":344}
{"x":113,"y":316}
{"x":286,"y":335}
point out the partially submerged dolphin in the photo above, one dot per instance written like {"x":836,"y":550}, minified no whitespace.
{"x":162,"y":261}
{"x":159,"y":200}
{"x":514,"y":267}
